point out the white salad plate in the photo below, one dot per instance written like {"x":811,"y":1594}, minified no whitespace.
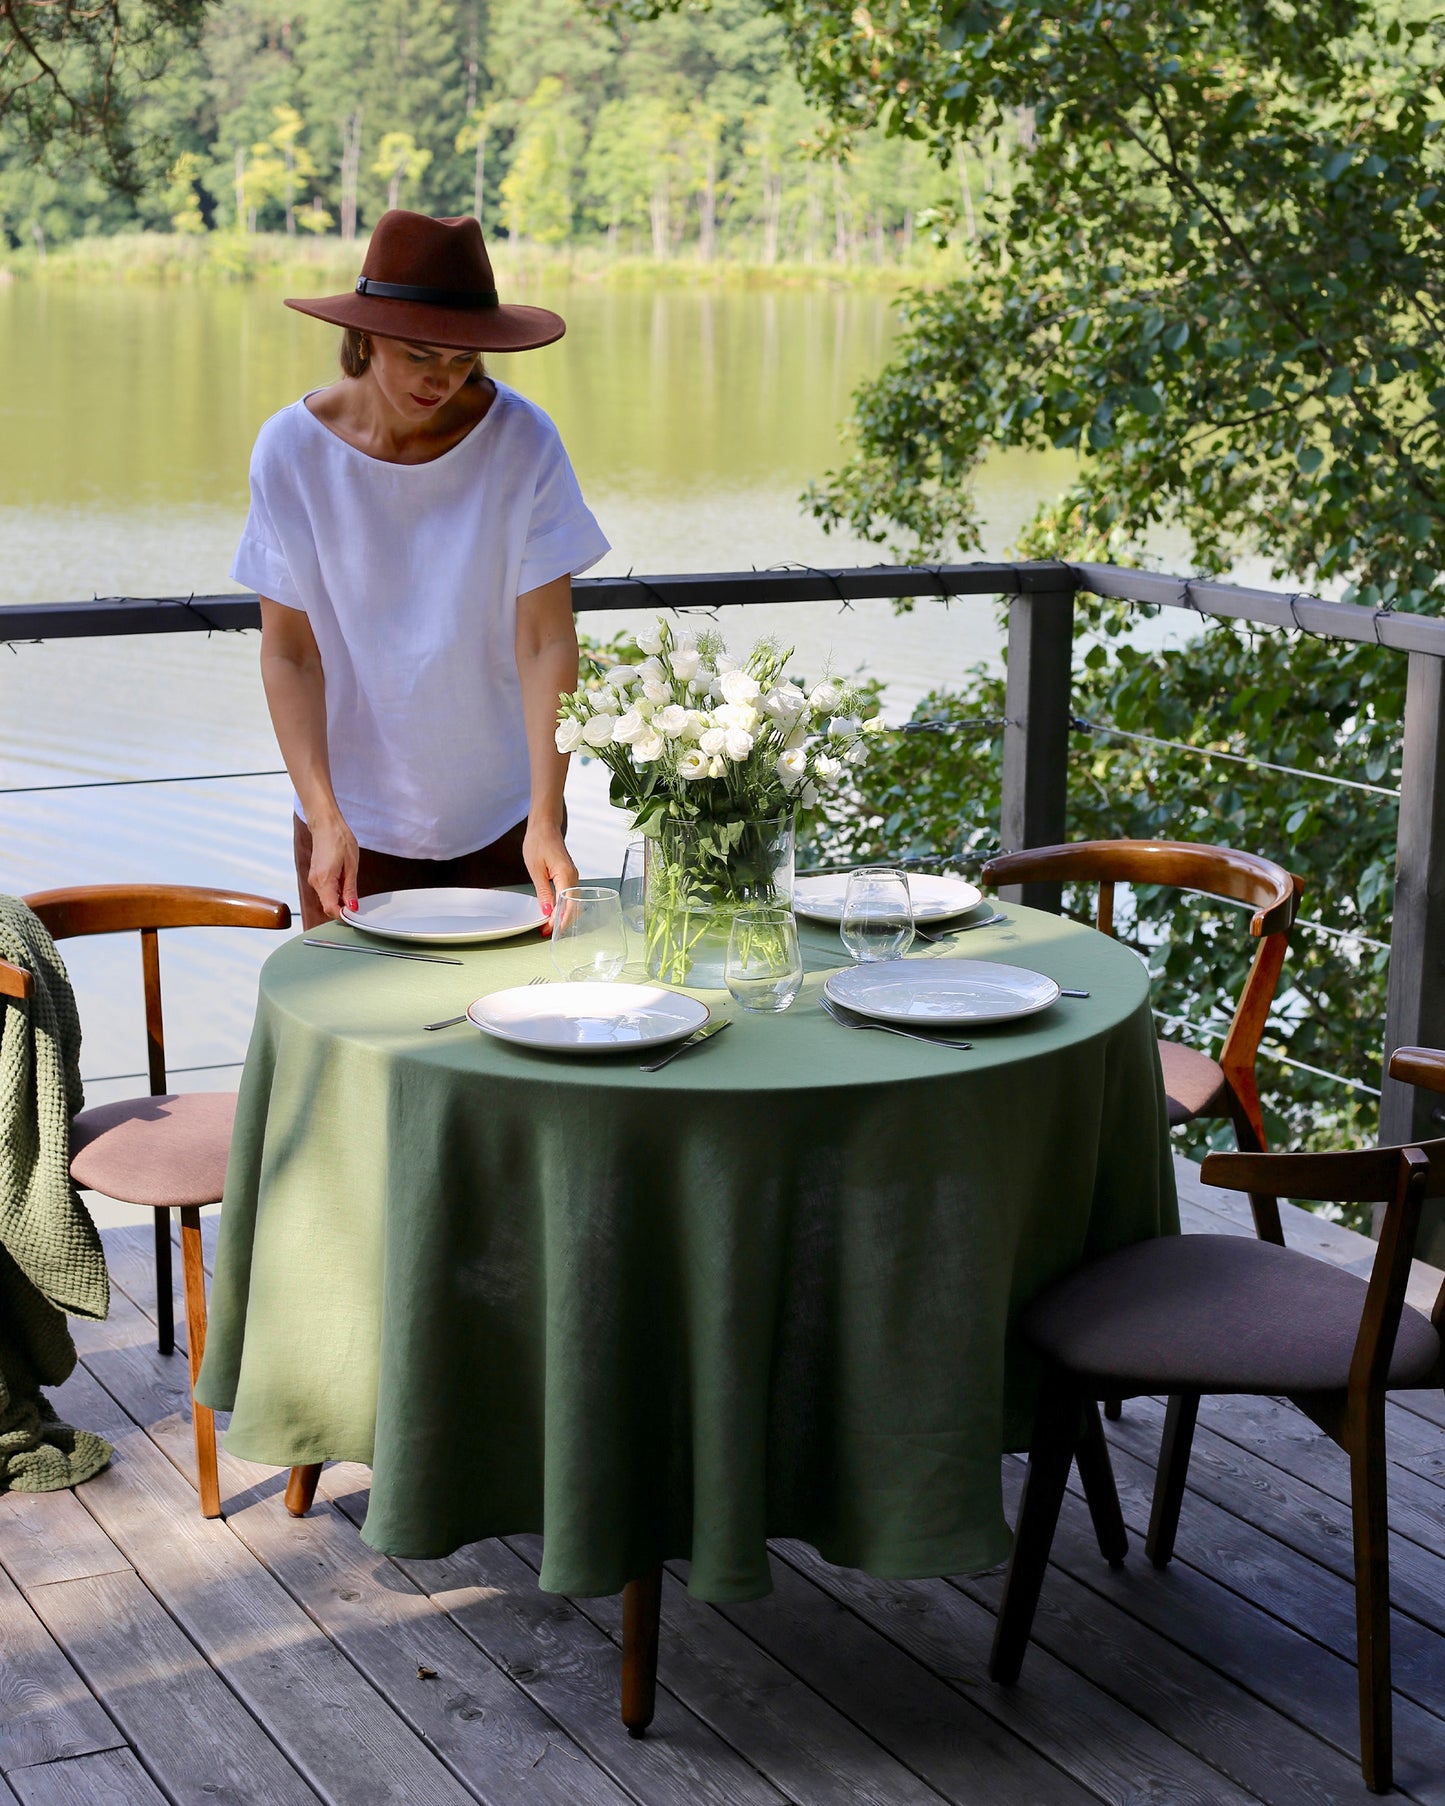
{"x":445,"y":916}
{"x":933,"y":899}
{"x":941,"y":993}
{"x":588,"y":1017}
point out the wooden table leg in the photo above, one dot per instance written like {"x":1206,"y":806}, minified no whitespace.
{"x":301,"y":1489}
{"x":641,"y":1610}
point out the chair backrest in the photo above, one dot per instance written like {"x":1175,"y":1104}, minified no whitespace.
{"x":1400,"y":1178}
{"x":116,"y":908}
{"x":1271,"y":891}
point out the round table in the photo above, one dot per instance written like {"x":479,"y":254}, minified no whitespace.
{"x":766,"y":1291}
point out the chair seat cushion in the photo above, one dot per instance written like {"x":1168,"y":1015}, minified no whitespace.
{"x":1193,"y":1083}
{"x":158,"y":1151}
{"x":1216,"y":1313}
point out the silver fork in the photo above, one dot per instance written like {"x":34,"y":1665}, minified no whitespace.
{"x":452,"y":1021}
{"x":942,"y":940}
{"x":848,"y":1020}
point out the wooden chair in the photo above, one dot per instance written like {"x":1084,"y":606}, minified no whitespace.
{"x":166,"y":1151}
{"x":1196,"y":1085}
{"x":1191,"y":1314}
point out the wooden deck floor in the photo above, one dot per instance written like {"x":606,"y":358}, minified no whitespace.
{"x":147,"y":1656}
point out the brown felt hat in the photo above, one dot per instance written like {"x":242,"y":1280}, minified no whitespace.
{"x":430,"y":281}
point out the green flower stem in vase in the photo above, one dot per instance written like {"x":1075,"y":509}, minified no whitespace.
{"x":700,"y":872}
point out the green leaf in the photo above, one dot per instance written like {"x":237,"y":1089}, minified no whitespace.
{"x":1336,"y":165}
{"x":1145,"y":400}
{"x":1340,"y":382}
{"x":1175,"y":337}
{"x":1309,"y":459}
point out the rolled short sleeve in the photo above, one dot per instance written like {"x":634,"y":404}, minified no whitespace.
{"x":259,"y":562}
{"x":563,"y":538}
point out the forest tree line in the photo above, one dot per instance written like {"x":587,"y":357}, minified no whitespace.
{"x":690,"y":136}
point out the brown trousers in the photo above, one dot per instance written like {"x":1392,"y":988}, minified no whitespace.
{"x":487,"y":869}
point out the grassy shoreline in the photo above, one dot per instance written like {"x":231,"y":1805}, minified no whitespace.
{"x":320,"y":263}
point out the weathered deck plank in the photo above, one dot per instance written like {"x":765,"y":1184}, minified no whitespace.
{"x":46,"y":1710}
{"x":114,"y":1778}
{"x":49,"y":1536}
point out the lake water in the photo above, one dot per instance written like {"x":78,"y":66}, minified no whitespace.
{"x":694,"y":421}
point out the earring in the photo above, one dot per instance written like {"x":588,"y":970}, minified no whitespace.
{"x":364,"y":349}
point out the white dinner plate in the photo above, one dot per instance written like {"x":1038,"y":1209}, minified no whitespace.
{"x":445,"y":915}
{"x":933,"y":899}
{"x":941,"y":993}
{"x":587,"y":1017}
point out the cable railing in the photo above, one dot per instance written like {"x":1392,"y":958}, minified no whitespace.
{"x":1036,"y":727}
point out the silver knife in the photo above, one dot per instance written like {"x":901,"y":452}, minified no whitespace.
{"x":695,"y":1039}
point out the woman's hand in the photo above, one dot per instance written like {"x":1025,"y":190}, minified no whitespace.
{"x":334,"y":860}
{"x":549,"y":864}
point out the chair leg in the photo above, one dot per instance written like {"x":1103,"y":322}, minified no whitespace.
{"x":301,"y":1488}
{"x":1097,"y":1476}
{"x":1056,"y":1435}
{"x":203,"y":1420}
{"x":1372,"y":1597}
{"x":641,"y":1612}
{"x":1170,"y":1478}
{"x":165,"y":1310}
{"x":1113,"y":1409}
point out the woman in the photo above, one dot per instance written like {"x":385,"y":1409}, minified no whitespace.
{"x":413,"y":533}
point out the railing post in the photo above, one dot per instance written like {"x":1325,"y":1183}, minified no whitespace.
{"x":1036,"y":739}
{"x":1415,"y":1007}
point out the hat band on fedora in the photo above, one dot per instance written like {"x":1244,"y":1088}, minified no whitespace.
{"x":432,"y":297}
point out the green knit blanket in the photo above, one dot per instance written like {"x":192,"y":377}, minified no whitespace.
{"x":51,"y":1261}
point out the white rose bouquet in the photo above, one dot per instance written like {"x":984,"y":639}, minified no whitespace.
{"x":712,"y":756}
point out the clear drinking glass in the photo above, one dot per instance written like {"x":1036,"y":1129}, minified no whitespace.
{"x":633,"y":883}
{"x":877,"y":913}
{"x":588,"y":940}
{"x":764,"y":968}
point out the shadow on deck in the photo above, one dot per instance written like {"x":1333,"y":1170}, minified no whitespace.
{"x":147,"y":1655}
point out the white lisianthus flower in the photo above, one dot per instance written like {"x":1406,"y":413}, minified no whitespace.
{"x":692,"y":765}
{"x":738,"y":715}
{"x":739,"y":686}
{"x":737,"y":744}
{"x":598,"y":731}
{"x":784,"y":704}
{"x":647,"y":746}
{"x":684,"y":659}
{"x":726,"y":662}
{"x":875,"y":724}
{"x":713,"y":740}
{"x":808,"y":797}
{"x":826,"y":767}
{"x":657,"y":692}
{"x":697,"y":724}
{"x":568,"y":735}
{"x":857,"y":754}
{"x":628,"y":727}
{"x":825,"y":697}
{"x":649,"y":640}
{"x":651,"y":670}
{"x":793,"y":767}
{"x":715,"y":768}
{"x":798,"y":737}
{"x":621,"y":677}
{"x":843,"y":724}
{"x":672,"y":721}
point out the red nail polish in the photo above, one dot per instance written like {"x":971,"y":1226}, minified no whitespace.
{"x":546,"y":909}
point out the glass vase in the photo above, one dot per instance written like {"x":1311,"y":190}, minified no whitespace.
{"x":698,"y":875}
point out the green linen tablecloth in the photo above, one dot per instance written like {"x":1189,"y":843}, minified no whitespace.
{"x":765,"y":1292}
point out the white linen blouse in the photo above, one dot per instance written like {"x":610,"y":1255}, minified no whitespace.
{"x":409,"y":575}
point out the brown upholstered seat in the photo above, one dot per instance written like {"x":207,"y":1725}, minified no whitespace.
{"x":1194,"y":1085}
{"x":1216,"y":1313}
{"x":165,"y":1152}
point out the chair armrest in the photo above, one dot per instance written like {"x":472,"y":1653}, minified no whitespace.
{"x":1419,"y":1066}
{"x":114,"y":908}
{"x":15,"y":981}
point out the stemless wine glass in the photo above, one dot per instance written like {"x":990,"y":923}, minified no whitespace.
{"x":588,"y":940}
{"x":633,"y":884}
{"x":877,"y":913}
{"x":764,"y":968}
